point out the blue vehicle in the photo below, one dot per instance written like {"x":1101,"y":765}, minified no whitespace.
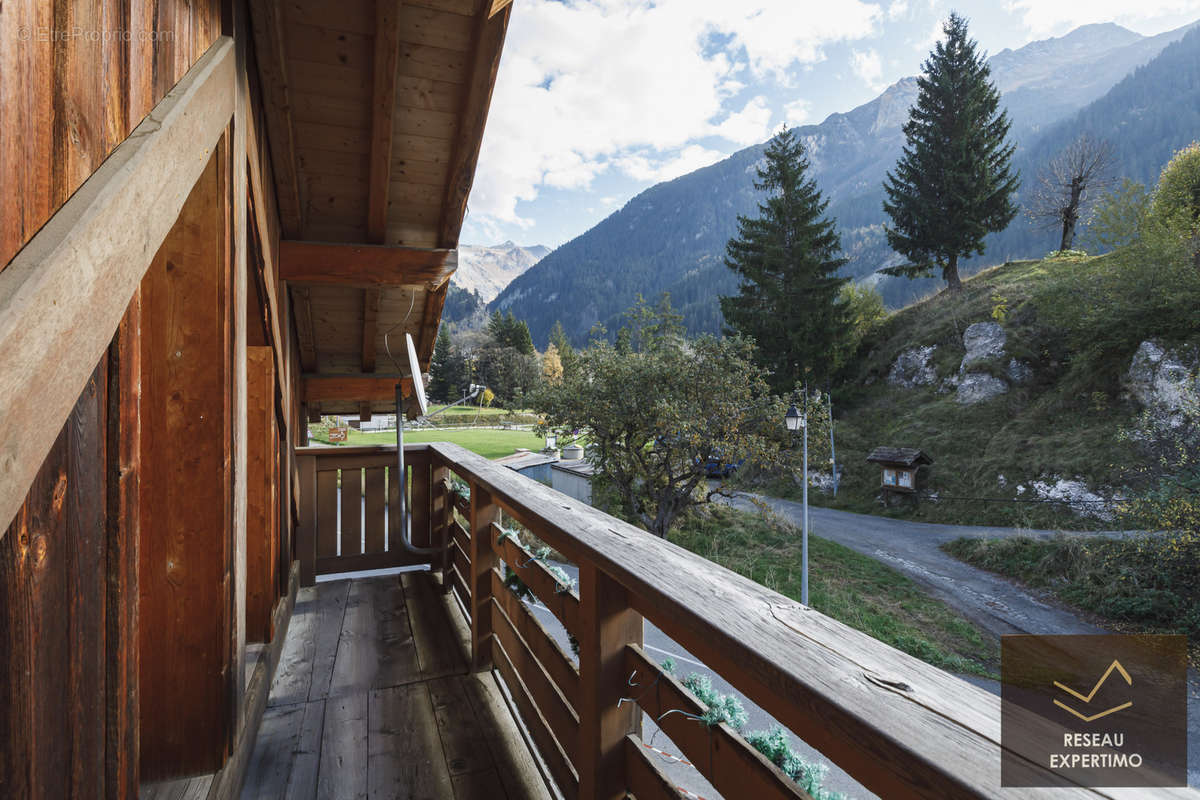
{"x":715,"y":467}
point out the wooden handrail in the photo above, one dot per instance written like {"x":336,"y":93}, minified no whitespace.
{"x":900,"y":726}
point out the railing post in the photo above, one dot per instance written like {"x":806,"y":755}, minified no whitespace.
{"x":440,"y":518}
{"x":607,"y":624}
{"x":306,"y":535}
{"x":422,"y":529}
{"x":484,"y":512}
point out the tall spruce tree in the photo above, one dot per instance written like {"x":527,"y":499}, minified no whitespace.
{"x":953,"y":184}
{"x":787,"y":258}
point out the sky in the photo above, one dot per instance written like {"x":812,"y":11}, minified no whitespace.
{"x":597,"y":100}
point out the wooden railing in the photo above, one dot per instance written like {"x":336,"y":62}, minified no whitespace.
{"x":900,"y":727}
{"x":362,"y":531}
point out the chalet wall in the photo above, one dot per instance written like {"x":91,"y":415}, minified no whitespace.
{"x":67,"y":645}
{"x":76,"y":76}
{"x":187,"y":673}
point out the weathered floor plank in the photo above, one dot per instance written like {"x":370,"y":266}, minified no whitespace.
{"x":520,"y":776}
{"x":376,"y":649}
{"x":386,"y":729}
{"x":463,"y":741}
{"x":331,"y":603}
{"x":439,"y":649}
{"x":343,"y":768}
{"x":405,"y":754}
{"x":194,"y":788}
{"x":271,"y":764}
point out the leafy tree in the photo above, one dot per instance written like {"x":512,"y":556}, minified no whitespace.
{"x":653,"y":416}
{"x":865,"y":310}
{"x":787,"y":260}
{"x":1177,"y":198}
{"x":1068,"y":183}
{"x":952,"y":185}
{"x":552,"y":368}
{"x":1120,"y":216}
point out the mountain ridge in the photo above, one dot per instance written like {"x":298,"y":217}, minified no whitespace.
{"x":671,"y":236}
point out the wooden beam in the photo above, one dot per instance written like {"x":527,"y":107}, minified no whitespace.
{"x":383,"y":109}
{"x":305,"y":333}
{"x":370,"y":315}
{"x":364,"y":265}
{"x":267,"y":25}
{"x":491,"y":26}
{"x":431,"y":316}
{"x":353,"y":389}
{"x":63,"y":295}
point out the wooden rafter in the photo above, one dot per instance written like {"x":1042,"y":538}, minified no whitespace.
{"x":305,"y":334}
{"x":432,"y":312}
{"x":363,"y":265}
{"x":267,"y":25}
{"x":491,"y":26}
{"x":383,"y":109}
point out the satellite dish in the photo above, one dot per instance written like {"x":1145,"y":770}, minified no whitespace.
{"x":415,"y":369}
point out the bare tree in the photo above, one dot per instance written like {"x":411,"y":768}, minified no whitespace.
{"x":1064,"y":185}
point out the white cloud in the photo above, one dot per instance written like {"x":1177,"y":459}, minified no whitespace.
{"x":750,"y":125}
{"x":869,"y":67}
{"x":897,"y":9}
{"x":797,"y":112}
{"x":650,"y":167}
{"x":1049,"y":18}
{"x":590,"y":85}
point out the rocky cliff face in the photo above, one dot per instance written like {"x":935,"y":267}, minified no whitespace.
{"x":488,"y":270}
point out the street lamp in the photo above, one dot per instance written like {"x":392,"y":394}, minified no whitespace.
{"x":796,"y":421}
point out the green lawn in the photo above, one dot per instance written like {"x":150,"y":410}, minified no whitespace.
{"x":852,"y":588}
{"x":487,"y":442}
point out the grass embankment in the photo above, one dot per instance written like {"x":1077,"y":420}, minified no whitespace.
{"x":852,"y":588}
{"x":1136,"y":585}
{"x":487,"y":442}
{"x":1076,"y":322}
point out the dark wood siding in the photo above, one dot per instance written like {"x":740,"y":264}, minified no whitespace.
{"x":76,"y":76}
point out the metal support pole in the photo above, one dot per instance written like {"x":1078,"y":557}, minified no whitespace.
{"x":832,"y":451}
{"x":804,"y":545}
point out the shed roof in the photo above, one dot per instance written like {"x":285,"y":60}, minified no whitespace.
{"x":904,"y":456}
{"x":374,"y":118}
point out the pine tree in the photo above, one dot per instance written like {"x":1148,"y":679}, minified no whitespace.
{"x":440,"y":368}
{"x":787,"y":259}
{"x":566,"y":353}
{"x":953,"y":185}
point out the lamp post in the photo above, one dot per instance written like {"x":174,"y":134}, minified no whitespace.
{"x":796,"y":421}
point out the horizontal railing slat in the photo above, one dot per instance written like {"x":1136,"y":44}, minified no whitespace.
{"x":559,"y":715}
{"x":533,"y":573}
{"x":459,"y":584}
{"x":556,"y":760}
{"x":646,"y":779}
{"x":543,"y":645}
{"x":731,"y":765}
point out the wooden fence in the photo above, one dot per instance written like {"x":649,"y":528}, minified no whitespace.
{"x":898,"y":725}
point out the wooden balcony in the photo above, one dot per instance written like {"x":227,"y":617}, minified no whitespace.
{"x":443,"y":683}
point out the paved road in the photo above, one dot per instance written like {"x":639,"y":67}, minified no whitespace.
{"x":996,"y":604}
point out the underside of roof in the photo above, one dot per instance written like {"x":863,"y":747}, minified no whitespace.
{"x":375,"y":113}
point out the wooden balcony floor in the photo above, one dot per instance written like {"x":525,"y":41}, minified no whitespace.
{"x":373,"y":699}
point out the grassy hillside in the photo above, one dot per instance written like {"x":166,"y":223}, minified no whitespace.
{"x":1076,"y":321}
